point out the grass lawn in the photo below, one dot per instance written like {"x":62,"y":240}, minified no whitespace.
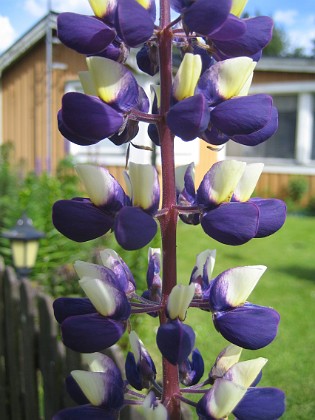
{"x":288,"y":285}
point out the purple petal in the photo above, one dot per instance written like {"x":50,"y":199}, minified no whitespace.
{"x":134,"y":228}
{"x":272,"y":215}
{"x":133,"y":23}
{"x":79,"y":220}
{"x":147,"y":59}
{"x":248,"y":326}
{"x":86,"y":412}
{"x":261,"y":404}
{"x":175,"y":341}
{"x":89,"y":117}
{"x":231,"y":223}
{"x":205,"y":16}
{"x":129,"y":133}
{"x":132,"y":373}
{"x":258,"y":34}
{"x":232,"y":28}
{"x":84,"y":34}
{"x":72,"y":136}
{"x":90,"y":333}
{"x":189,"y":117}
{"x":75,"y":391}
{"x":190,"y":372}
{"x":214,"y":136}
{"x":67,"y":306}
{"x":242,"y":115}
{"x":261,"y":135}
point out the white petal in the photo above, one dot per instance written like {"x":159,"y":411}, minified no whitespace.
{"x":87,"y":83}
{"x":92,"y":385}
{"x":240,"y":282}
{"x":102,"y":296}
{"x":109,"y":258}
{"x":98,"y":182}
{"x":179,"y":301}
{"x":225,"y":395}
{"x":85,"y":269}
{"x":143,"y":178}
{"x":135,"y":343}
{"x":206,"y":257}
{"x":187,"y":76}
{"x":244,"y":373}
{"x":248,"y":181}
{"x":226,"y":359}
{"x":95,"y":361}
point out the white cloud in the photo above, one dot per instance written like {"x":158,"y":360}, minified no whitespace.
{"x":302,"y":38}
{"x":39,"y":8}
{"x":7,"y":33}
{"x":286,"y":17}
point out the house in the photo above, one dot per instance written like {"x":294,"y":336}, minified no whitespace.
{"x":37,"y":70}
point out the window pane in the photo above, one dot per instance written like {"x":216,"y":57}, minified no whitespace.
{"x":282,"y":143}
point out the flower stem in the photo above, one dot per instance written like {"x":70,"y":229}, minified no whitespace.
{"x":168,"y":221}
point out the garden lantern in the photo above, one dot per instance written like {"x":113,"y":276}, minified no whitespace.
{"x":24,"y":240}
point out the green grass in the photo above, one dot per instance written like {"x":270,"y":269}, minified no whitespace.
{"x":288,"y":285}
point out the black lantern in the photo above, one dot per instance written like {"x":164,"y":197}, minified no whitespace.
{"x":24,"y":240}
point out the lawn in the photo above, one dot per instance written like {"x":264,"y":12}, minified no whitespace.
{"x":288,"y":285}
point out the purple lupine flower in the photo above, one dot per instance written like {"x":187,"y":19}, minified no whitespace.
{"x":154,"y":281}
{"x":202,"y":271}
{"x":102,"y":386}
{"x":217,"y":108}
{"x":228,"y":390}
{"x":242,"y":323}
{"x":227,"y":213}
{"x":191,"y":371}
{"x":139,"y":366}
{"x":175,"y":341}
{"x":109,"y":208}
{"x":110,"y":93}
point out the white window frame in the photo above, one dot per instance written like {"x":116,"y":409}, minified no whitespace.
{"x":305,"y":92}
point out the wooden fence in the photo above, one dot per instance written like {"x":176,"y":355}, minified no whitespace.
{"x":33,"y":361}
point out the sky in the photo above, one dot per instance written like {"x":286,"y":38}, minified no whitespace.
{"x":297,"y":18}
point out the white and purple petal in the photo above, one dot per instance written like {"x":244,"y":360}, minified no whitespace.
{"x":91,"y":332}
{"x":202,"y":271}
{"x":114,"y":83}
{"x":175,"y":341}
{"x":248,"y":326}
{"x":232,"y":287}
{"x":248,"y":182}
{"x":225,"y":360}
{"x":244,"y":373}
{"x":261,"y":404}
{"x":134,"y":228}
{"x":89,"y":117}
{"x":84,"y":34}
{"x":272,"y":215}
{"x":80,"y":221}
{"x":189,"y":117}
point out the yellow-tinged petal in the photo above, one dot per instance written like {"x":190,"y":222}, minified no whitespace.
{"x":226,"y":359}
{"x":205,"y":257}
{"x":235,"y":76}
{"x":100,"y":7}
{"x":94,"y":361}
{"x":97,"y":181}
{"x":240,"y":282}
{"x":92,"y":385}
{"x":156,"y":93}
{"x":101,"y":295}
{"x":226,"y":175}
{"x":247,"y":183}
{"x":237,"y":7}
{"x":244,"y":373}
{"x":144,"y":3}
{"x":107,"y":77}
{"x":224,"y":397}
{"x":179,"y":301}
{"x":142,"y":180}
{"x":187,"y":76}
{"x":87,"y":83}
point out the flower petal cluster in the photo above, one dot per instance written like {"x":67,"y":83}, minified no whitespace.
{"x":154,"y":281}
{"x":110,"y":93}
{"x":227,"y":213}
{"x":139,"y":366}
{"x":191,"y":370}
{"x":233,"y":391}
{"x":217,"y":107}
{"x":109,"y":208}
{"x":99,"y":392}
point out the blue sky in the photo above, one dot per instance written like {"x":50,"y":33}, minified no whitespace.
{"x":296,"y":17}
